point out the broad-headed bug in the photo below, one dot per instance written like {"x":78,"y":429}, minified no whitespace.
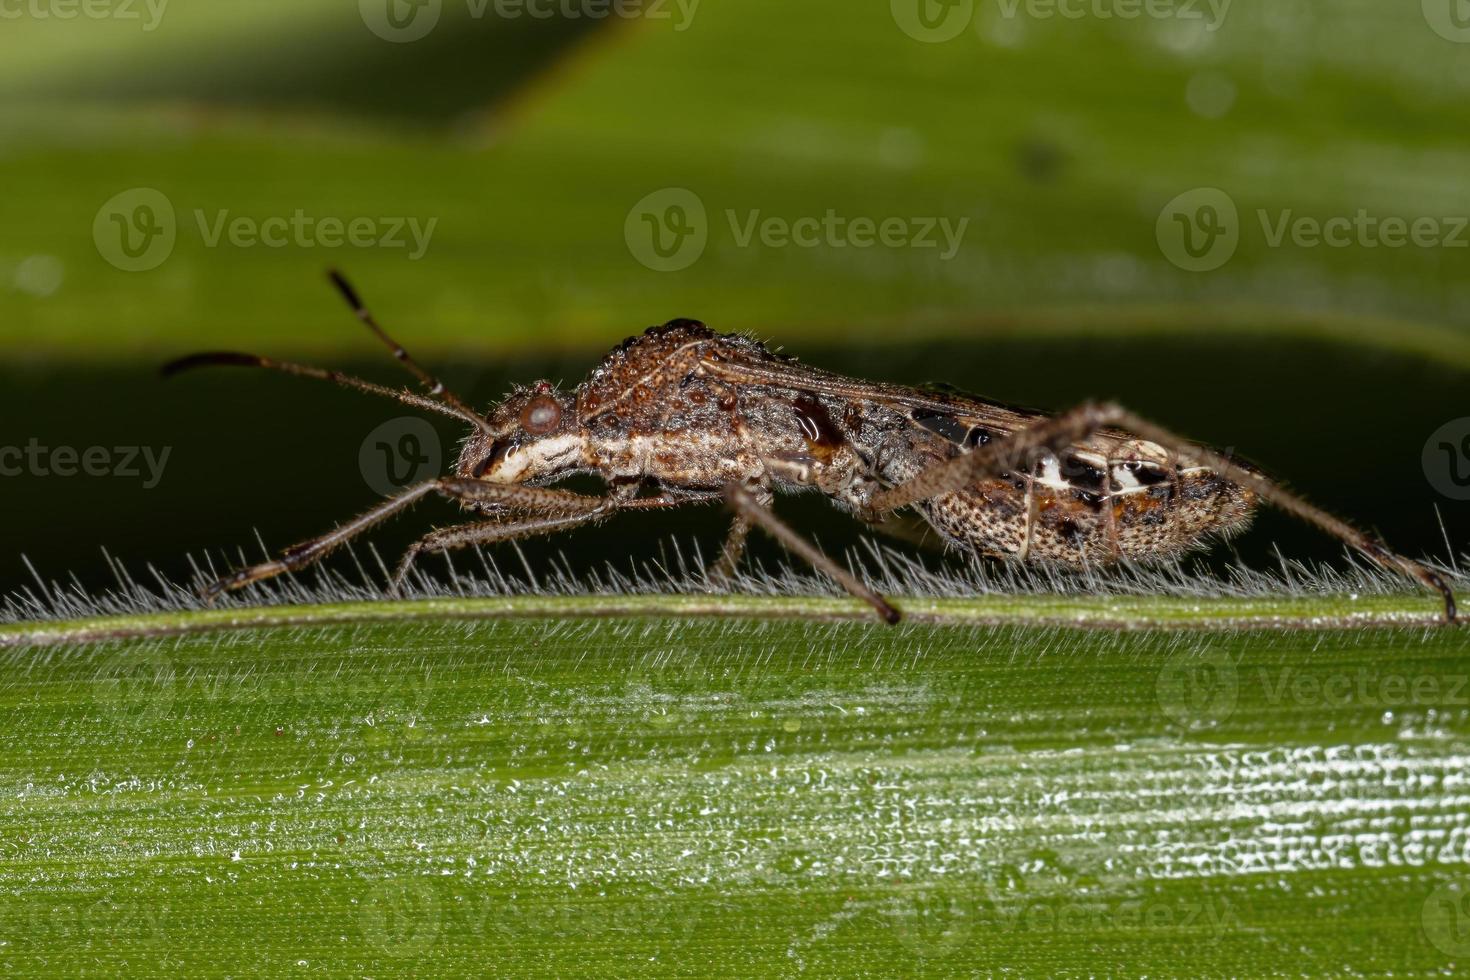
{"x":681,"y":414}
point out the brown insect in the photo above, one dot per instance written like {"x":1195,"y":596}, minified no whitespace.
{"x":682,"y":415}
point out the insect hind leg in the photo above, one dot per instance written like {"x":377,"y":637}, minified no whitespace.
{"x":1057,"y":433}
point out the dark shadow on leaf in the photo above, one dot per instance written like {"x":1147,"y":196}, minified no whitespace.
{"x":464,"y":64}
{"x":249,"y":451}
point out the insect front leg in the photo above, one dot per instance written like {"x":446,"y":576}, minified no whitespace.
{"x":483,"y":532}
{"x":299,"y":556}
{"x":1058,"y":432}
{"x":746,"y":506}
{"x":490,"y":532}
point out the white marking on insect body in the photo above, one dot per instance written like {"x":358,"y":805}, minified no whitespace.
{"x":536,"y":456}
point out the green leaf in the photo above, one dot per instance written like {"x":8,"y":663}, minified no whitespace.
{"x":1059,"y":141}
{"x":595,"y":785}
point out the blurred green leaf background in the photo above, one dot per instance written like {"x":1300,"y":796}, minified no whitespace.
{"x":537,"y":155}
{"x":1131,"y":190}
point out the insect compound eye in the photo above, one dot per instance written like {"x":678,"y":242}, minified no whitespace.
{"x":541,"y":415}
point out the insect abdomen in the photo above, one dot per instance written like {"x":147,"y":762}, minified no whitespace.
{"x":1031,"y":518}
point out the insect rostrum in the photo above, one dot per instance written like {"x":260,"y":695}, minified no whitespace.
{"x":682,"y":415}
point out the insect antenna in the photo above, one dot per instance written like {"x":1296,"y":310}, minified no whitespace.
{"x":435,"y":386}
{"x":439,"y":399}
{"x":238,"y":359}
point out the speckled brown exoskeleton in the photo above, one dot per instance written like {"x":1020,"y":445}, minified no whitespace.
{"x":681,"y":414}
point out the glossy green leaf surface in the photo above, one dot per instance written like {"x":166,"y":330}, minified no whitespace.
{"x":560,"y":794}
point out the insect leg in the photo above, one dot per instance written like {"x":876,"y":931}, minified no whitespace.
{"x":485,"y":532}
{"x":520,"y":498}
{"x":488,"y":532}
{"x":665,"y":502}
{"x":300,"y":555}
{"x":746,"y":506}
{"x":728,"y":563}
{"x":513,"y":497}
{"x":1057,"y":433}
